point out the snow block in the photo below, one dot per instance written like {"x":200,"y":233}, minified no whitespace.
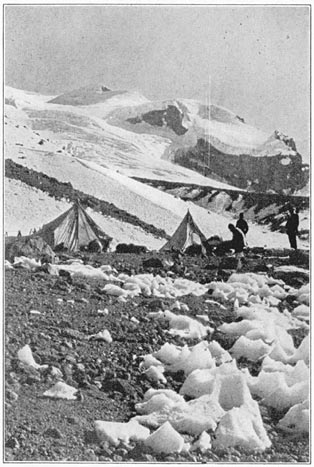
{"x":174,"y":396}
{"x":167,"y":353}
{"x":302,"y":312}
{"x":233,"y":390}
{"x":203,"y":443}
{"x":61,"y":390}
{"x":192,"y":417}
{"x":198,"y":357}
{"x":25,"y":356}
{"x":198,"y":383}
{"x":273,"y":388}
{"x":302,"y":352}
{"x":243,"y":427}
{"x":115,"y":290}
{"x":115,"y":432}
{"x":148,"y":361}
{"x":155,"y":373}
{"x":102,"y":336}
{"x":165,"y":440}
{"x":155,"y":404}
{"x":297,"y":419}
{"x":252,"y":350}
{"x":218,"y":353}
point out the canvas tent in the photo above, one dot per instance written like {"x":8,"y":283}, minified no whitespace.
{"x":72,"y":230}
{"x":187,"y":234}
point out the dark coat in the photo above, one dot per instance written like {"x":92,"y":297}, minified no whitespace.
{"x":292,"y":223}
{"x":242,"y":224}
{"x":238,"y":241}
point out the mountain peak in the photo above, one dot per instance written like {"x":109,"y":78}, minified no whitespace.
{"x":86,"y":95}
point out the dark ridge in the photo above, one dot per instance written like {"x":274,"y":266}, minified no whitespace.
{"x":246,"y":171}
{"x":258,"y":201}
{"x":59,"y":190}
{"x":171,"y":117}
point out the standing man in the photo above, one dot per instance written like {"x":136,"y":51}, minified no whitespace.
{"x":292,"y":226}
{"x":242,"y":224}
{"x":237,"y":243}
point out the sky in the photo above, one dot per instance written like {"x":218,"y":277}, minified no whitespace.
{"x":253,"y":60}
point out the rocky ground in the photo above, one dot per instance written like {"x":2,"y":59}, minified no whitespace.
{"x":107,"y":375}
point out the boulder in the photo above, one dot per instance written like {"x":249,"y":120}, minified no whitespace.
{"x":130,"y":248}
{"x":31,"y":247}
{"x":153,"y":263}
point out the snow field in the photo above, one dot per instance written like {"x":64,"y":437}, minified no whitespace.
{"x":149,"y":204}
{"x":21,"y":199}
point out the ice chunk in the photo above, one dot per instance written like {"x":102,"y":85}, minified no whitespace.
{"x":167,"y":353}
{"x":242,"y":426}
{"x":203,"y":443}
{"x":7,"y":264}
{"x":26,"y":263}
{"x":102,"y":336}
{"x":115,"y":432}
{"x":240,"y":393}
{"x":297,"y":419}
{"x":278,"y":292}
{"x":155,"y":373}
{"x":186,"y":327}
{"x":274,"y":390}
{"x":156,"y":403}
{"x":25,"y":356}
{"x":168,"y":392}
{"x":249,"y":278}
{"x":198,"y":357}
{"x":165,"y":440}
{"x":252,"y":350}
{"x":114,"y":290}
{"x":61,"y":390}
{"x":239,"y":328}
{"x":192,"y":417}
{"x":198,"y":383}
{"x":302,"y":312}
{"x":302,"y":352}
{"x":176,"y":306}
{"x":272,"y":301}
{"x":148,"y":361}
{"x":218,"y":353}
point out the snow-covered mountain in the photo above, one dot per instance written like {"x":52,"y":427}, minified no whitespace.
{"x":162,"y":140}
{"x":87,"y":142}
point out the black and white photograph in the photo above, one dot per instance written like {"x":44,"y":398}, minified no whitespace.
{"x":156,"y":233}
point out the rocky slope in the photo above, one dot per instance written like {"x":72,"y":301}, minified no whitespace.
{"x":108,"y":376}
